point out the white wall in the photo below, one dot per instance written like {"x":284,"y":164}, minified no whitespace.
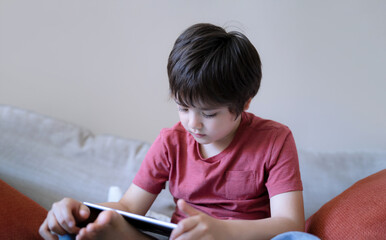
{"x":102,"y":64}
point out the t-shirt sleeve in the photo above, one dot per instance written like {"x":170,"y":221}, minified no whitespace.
{"x":154,"y":170}
{"x":283,"y":167}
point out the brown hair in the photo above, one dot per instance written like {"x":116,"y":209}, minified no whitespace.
{"x":208,"y":65}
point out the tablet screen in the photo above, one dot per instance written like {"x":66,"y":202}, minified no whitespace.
{"x":145,"y":224}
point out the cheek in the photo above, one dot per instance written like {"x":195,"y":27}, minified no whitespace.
{"x":215,"y":127}
{"x":183,"y":119}
{"x":223,"y":127}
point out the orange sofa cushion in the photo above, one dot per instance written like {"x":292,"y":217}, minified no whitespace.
{"x":357,"y":213}
{"x":20,"y":216}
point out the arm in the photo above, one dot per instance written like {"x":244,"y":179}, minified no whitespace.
{"x":135,"y":200}
{"x":287,"y":214}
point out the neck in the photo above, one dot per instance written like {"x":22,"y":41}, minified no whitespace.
{"x":212,"y":149}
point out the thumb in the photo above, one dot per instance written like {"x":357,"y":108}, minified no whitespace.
{"x":83,"y":212}
{"x":186,"y":208}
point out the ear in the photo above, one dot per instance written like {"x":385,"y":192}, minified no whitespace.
{"x":246,"y":106}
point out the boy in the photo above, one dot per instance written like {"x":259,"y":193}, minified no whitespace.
{"x":232,"y":174}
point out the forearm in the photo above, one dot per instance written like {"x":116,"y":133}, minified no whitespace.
{"x":261,"y":229}
{"x":135,"y":200}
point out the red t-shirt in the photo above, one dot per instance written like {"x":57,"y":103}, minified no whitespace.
{"x":260,"y":162}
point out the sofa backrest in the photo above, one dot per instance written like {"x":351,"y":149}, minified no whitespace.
{"x":327,"y":174}
{"x":48,"y":159}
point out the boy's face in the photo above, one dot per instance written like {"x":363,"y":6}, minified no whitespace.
{"x":215,"y":126}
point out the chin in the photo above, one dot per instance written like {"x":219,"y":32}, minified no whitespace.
{"x":202,"y":141}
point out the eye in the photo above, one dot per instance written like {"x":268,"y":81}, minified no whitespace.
{"x":209,"y":115}
{"x":182,"y":109}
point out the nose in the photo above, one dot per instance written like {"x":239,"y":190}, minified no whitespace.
{"x":194,"y":121}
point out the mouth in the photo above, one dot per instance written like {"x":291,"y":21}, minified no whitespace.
{"x":197,"y":135}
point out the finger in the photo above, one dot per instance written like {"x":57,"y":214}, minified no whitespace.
{"x":64,"y":218}
{"x":82,"y":213}
{"x":70,"y":212}
{"x":53,"y":225}
{"x":183,"y":227}
{"x":46,"y":233}
{"x":107,"y":218}
{"x":109,"y":225}
{"x":95,"y":228}
{"x":82,"y":235}
{"x":68,"y":222}
{"x":191,"y":235}
{"x":186,"y":208}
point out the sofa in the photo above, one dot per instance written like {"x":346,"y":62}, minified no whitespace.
{"x":43,"y":159}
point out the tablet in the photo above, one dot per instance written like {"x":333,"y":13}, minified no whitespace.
{"x":144,"y":224}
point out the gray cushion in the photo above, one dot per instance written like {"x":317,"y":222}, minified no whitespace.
{"x":327,"y":174}
{"x":47,"y":159}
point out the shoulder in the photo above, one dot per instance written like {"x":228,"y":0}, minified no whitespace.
{"x":174,"y":135}
{"x":175,"y":130}
{"x":263,"y":134}
{"x":254,"y":123}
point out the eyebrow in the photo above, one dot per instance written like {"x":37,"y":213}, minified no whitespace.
{"x":208,"y":109}
{"x":199,"y":108}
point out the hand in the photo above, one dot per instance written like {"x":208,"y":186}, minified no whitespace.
{"x":62,"y":218}
{"x":110,"y":225}
{"x":197,"y":225}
